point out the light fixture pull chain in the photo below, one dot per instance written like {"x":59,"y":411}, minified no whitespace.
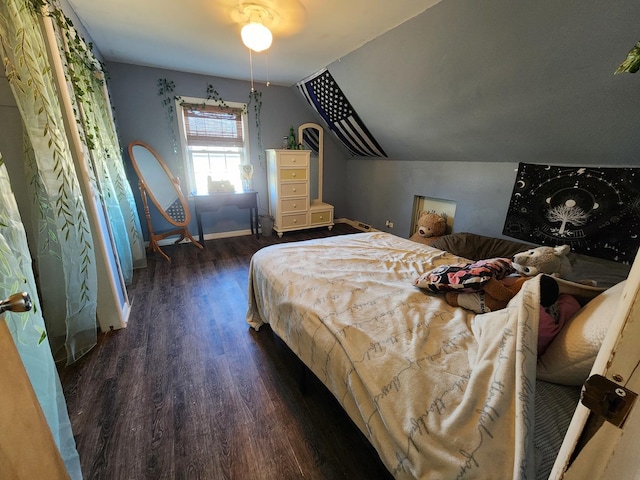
{"x":268,"y":82}
{"x":251,"y":68}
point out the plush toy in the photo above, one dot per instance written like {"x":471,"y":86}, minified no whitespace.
{"x":496,"y":292}
{"x":464,"y":277}
{"x":488,"y":285}
{"x":549,"y":260}
{"x":555,"y":307}
{"x":430,"y":226}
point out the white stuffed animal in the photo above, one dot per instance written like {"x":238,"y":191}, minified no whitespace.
{"x":496,"y":293}
{"x":550,"y":260}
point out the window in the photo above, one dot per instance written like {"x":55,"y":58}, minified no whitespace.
{"x":214,"y":139}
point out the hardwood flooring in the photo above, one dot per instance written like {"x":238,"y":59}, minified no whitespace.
{"x":189,"y":391}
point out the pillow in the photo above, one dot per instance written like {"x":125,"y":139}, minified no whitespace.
{"x":464,"y":277}
{"x":570,"y":356}
{"x":476,"y":247}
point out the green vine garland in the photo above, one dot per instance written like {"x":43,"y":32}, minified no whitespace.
{"x":630,"y":64}
{"x":166,"y":91}
{"x":212,"y":94}
{"x":79,"y":60}
{"x":255,"y":96}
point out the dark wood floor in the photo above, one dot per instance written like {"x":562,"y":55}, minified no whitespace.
{"x":188,"y":391}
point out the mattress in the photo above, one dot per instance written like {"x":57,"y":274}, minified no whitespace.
{"x":439,"y":391}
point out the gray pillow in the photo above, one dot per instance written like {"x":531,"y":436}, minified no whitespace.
{"x":479,"y":247}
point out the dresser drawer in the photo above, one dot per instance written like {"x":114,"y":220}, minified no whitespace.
{"x":293,"y":173}
{"x":294,"y":189}
{"x":321,"y":217}
{"x":294,"y":159}
{"x":290,"y":205}
{"x":296,"y":220}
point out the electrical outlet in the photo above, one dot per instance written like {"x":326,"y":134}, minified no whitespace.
{"x":388,"y":223}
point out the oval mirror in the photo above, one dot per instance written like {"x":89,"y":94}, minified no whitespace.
{"x":160,"y":184}
{"x":156,"y":180}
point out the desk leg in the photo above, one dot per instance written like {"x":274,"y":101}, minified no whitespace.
{"x":199,"y":222}
{"x":254,"y":215}
{"x":254,"y":220}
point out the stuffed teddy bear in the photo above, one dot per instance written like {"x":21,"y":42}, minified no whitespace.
{"x":496,"y":292}
{"x":430,"y":226}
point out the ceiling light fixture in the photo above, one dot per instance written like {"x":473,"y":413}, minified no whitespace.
{"x":255,"y":35}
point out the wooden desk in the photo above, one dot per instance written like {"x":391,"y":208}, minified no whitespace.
{"x":214,"y":201}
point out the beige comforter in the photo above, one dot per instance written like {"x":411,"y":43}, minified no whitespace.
{"x":440,"y":392}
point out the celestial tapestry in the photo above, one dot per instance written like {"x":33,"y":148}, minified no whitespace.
{"x":596,"y":211}
{"x":325,"y":96}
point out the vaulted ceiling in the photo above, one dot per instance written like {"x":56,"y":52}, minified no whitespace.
{"x":203,"y":36}
{"x":454,"y":80}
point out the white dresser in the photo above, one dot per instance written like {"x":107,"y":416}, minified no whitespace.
{"x":289,"y":202}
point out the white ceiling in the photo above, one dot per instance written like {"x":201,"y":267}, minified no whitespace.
{"x":203,"y":36}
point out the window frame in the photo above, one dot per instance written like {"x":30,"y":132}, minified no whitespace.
{"x":245,"y":154}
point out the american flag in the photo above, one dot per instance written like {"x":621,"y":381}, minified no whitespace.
{"x":311,"y":139}
{"x":324,"y":95}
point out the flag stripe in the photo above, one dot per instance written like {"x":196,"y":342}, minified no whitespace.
{"x":325,"y":96}
{"x":310,"y":138}
{"x":363,"y":138}
{"x":346,"y":130}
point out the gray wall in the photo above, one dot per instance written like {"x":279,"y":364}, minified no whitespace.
{"x":481,"y":192}
{"x":501,"y":81}
{"x":141,"y":116}
{"x":457,"y":96}
{"x":496,"y":81}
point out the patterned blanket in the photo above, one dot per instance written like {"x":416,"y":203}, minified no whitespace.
{"x":439,"y":391}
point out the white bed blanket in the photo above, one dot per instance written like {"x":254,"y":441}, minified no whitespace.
{"x":440,"y":392}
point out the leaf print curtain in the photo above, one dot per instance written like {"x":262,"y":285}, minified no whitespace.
{"x":101,"y":145}
{"x":63,"y":247}
{"x":112,"y":171}
{"x":28,"y":329}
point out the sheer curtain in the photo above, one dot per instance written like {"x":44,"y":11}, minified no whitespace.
{"x":63,"y":247}
{"x":28,"y":330}
{"x":65,"y":254}
{"x":114,"y":166}
{"x":100,"y":142}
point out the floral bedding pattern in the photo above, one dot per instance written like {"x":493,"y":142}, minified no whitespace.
{"x":464,"y":277}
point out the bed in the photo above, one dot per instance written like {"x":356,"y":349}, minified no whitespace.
{"x":439,"y":391}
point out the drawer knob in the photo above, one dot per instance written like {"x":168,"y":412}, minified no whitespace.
{"x":321,"y":217}
{"x":295,"y":220}
{"x":293,"y":174}
{"x":295,"y":205}
{"x":295,"y":189}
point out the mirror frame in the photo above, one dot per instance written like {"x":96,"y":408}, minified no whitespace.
{"x":320,"y":130}
{"x":145,"y":190}
{"x":175,"y":182}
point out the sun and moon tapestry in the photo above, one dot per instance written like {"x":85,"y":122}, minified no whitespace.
{"x":596,"y":211}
